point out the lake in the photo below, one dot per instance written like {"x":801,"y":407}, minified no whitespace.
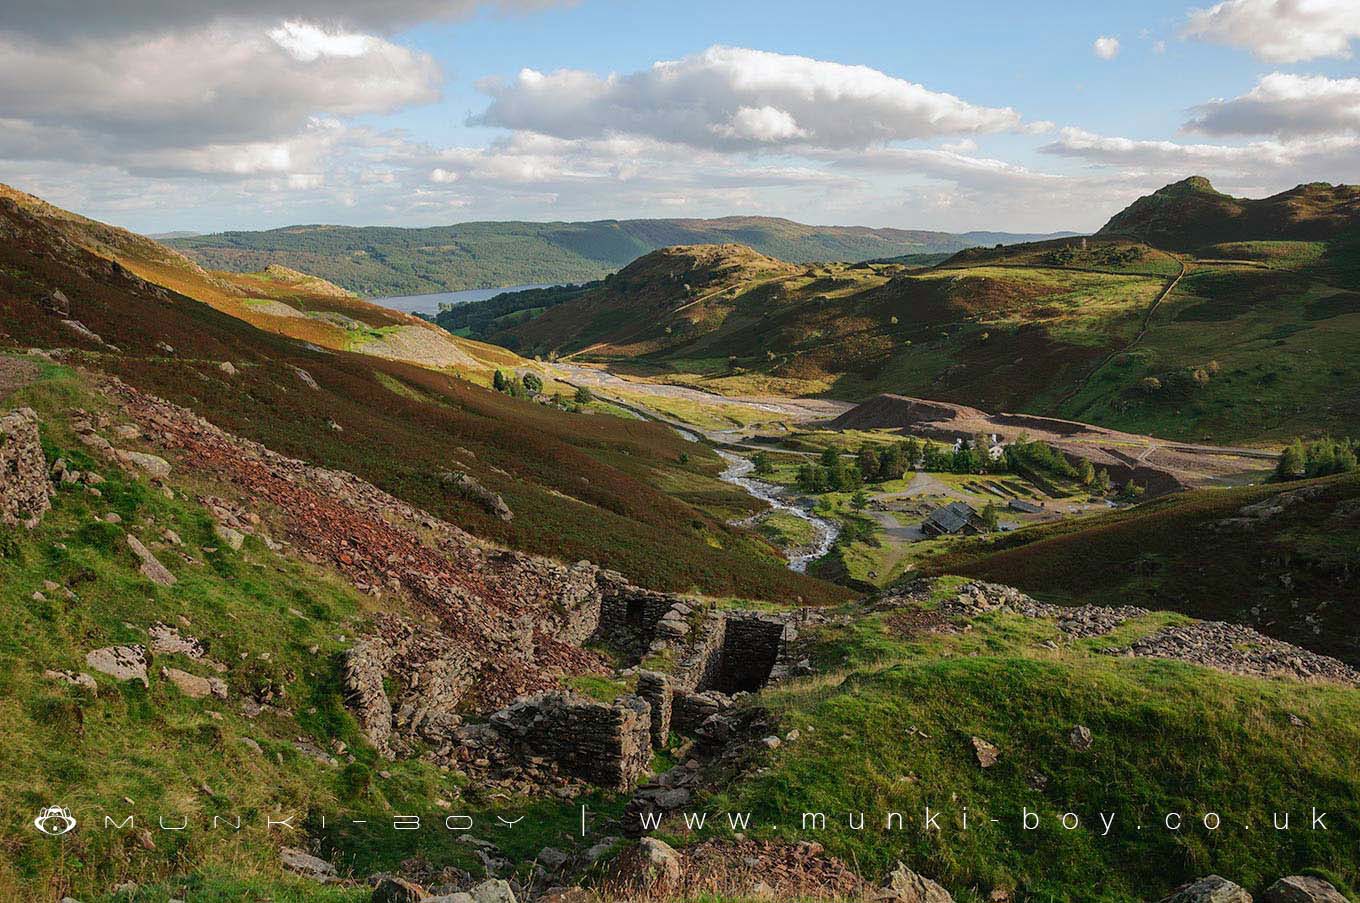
{"x":429,"y":304}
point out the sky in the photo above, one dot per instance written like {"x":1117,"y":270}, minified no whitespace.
{"x":167,"y":115}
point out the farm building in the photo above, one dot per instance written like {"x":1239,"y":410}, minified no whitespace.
{"x":956,"y":517}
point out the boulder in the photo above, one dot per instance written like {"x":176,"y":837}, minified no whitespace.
{"x":119,"y":662}
{"x":987,"y":753}
{"x":227,"y":367}
{"x":300,"y":862}
{"x":1302,"y":889}
{"x":233,"y":539}
{"x":151,"y":567}
{"x":193,"y":686}
{"x":466,"y":486}
{"x":75,"y":679}
{"x":155,"y":466}
{"x":397,"y":890}
{"x":1210,"y":889}
{"x":652,"y":865}
{"x":492,"y":891}
{"x":1080,"y":738}
{"x":905,"y":886}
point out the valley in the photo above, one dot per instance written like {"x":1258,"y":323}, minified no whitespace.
{"x":768,"y":531}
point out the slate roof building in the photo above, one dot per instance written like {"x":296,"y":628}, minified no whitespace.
{"x":956,"y":517}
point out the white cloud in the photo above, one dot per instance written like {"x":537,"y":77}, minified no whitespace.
{"x":439,"y":174}
{"x":1105,"y":47}
{"x":765,"y":124}
{"x":1281,"y":31}
{"x":1159,"y":47}
{"x":732,"y":97}
{"x":307,"y":42}
{"x":1286,"y":105}
{"x":1284,"y":163}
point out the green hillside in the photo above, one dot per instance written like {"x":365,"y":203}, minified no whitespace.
{"x":1246,"y":340}
{"x":382,"y":260}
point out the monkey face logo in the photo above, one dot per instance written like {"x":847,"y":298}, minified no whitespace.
{"x":54,"y":821}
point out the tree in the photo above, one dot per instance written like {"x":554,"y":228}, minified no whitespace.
{"x":1291,"y":465}
{"x":1086,"y":472}
{"x":859,"y":500}
{"x":763,"y":465}
{"x":869,"y":462}
{"x":533,"y":384}
{"x":498,"y":381}
{"x":1131,"y":492}
{"x":991,"y":517}
{"x":584,"y":395}
{"x":831,"y":456}
{"x":811,"y":479}
{"x":892,"y":463}
{"x":684,"y":458}
{"x":1102,"y":482}
{"x":911,"y":451}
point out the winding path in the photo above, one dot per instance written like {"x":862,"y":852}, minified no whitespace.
{"x":1147,"y":324}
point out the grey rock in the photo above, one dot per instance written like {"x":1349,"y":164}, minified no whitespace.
{"x":492,"y":891}
{"x":300,"y":862}
{"x":1210,"y":889}
{"x":397,"y":890}
{"x":155,"y":466}
{"x":1080,"y":738}
{"x":1302,"y":889}
{"x":120,"y":662}
{"x":151,"y":567}
{"x":905,"y":886}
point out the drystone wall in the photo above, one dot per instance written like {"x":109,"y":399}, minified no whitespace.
{"x":609,"y":745}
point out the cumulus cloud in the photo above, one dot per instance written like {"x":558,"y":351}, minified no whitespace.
{"x":1285,"y":105}
{"x":216,"y":99}
{"x":1105,"y":47}
{"x":733,"y":97}
{"x":1281,"y":31}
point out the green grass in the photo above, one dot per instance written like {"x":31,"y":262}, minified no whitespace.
{"x":276,"y":622}
{"x":887,"y":726}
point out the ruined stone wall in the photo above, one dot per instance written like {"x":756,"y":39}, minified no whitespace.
{"x":608,"y":745}
{"x":25,"y":491}
{"x":656,"y":689}
{"x":630,"y":616}
{"x":751,"y":647}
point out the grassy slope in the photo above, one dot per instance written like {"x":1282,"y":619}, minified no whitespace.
{"x":889,"y":728}
{"x":1252,"y":346}
{"x":580,"y":486}
{"x":1289,"y":577}
{"x":277,"y":299}
{"x":394,"y":261}
{"x":259,"y":612}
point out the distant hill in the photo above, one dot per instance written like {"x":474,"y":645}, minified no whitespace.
{"x":1192,"y":214}
{"x":1248,"y":339}
{"x":383,"y":260}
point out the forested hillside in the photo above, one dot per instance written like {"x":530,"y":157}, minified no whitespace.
{"x":384,"y":260}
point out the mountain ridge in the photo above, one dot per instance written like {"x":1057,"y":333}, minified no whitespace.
{"x":391,"y":260}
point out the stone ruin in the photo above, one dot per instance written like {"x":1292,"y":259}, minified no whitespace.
{"x":407,"y":683}
{"x":25,"y":491}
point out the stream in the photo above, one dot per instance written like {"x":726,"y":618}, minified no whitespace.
{"x":826,"y":531}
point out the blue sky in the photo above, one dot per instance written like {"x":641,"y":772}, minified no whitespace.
{"x":968,"y":115}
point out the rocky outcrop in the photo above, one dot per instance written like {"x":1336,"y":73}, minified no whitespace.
{"x":1212,"y":644}
{"x":25,"y":491}
{"x":465,"y":486}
